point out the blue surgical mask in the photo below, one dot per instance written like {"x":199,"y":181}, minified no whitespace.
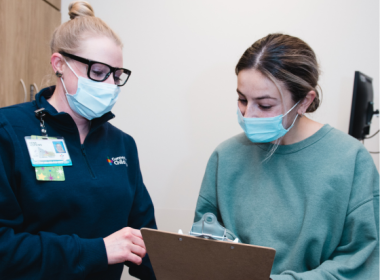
{"x":264,"y":130}
{"x":92,"y":99}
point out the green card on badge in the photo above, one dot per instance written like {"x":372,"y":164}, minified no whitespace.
{"x":49,"y":173}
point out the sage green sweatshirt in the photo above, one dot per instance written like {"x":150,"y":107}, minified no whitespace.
{"x":316,"y":202}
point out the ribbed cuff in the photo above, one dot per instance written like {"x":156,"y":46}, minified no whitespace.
{"x":93,"y":255}
{"x":282,"y":277}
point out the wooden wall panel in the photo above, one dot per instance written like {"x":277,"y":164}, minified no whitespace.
{"x":45,"y":20}
{"x":14,"y":20}
{"x":26,"y":27}
{"x":55,"y":3}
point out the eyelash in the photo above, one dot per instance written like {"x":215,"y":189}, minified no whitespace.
{"x":261,"y":106}
{"x":265,"y":107}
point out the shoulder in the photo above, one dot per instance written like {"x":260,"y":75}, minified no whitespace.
{"x":16,"y":116}
{"x":337,"y":141}
{"x":234,"y":143}
{"x":350,"y":155}
{"x":115,"y":133}
{"x":338,"y":137}
{"x":20,"y":116}
{"x":17,"y":112}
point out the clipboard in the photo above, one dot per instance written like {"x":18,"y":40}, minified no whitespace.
{"x":177,"y":256}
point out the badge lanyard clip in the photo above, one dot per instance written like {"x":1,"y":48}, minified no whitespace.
{"x":40,"y":115}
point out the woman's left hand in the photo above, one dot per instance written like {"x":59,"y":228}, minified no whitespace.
{"x":125,"y":245}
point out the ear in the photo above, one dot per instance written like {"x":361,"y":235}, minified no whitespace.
{"x":305,"y":103}
{"x":57,"y":63}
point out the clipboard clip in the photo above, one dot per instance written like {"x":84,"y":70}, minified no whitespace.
{"x":208,"y":227}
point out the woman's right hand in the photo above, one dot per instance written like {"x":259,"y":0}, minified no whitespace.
{"x":125,"y":245}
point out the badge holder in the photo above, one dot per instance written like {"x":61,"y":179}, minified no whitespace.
{"x":208,"y":227}
{"x":47,"y":160}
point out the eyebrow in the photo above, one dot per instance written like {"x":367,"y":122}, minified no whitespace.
{"x":258,"y":98}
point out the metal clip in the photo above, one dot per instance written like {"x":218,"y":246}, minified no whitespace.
{"x":208,"y":227}
{"x":40,"y":114}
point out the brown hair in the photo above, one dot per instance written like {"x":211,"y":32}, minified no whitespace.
{"x":286,"y":59}
{"x":83,"y":24}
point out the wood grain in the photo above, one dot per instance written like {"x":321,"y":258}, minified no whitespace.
{"x":43,"y":23}
{"x":184,"y":257}
{"x":55,"y":3}
{"x":26,"y":27}
{"x":14,"y":20}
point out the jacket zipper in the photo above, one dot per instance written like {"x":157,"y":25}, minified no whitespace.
{"x":88,"y":164}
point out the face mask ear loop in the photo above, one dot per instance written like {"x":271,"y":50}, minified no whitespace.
{"x":71,"y":68}
{"x":72,"y":71}
{"x":293,"y":122}
{"x":64,"y":86}
{"x":292,"y":108}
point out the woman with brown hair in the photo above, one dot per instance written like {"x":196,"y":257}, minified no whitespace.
{"x":288,"y":182}
{"x":77,"y":218}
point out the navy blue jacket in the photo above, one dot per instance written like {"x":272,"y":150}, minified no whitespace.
{"x":55,"y":230}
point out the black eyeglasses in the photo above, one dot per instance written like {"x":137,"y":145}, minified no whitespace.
{"x":99,"y":71}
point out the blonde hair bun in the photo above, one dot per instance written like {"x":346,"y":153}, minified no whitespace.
{"x":80,"y":9}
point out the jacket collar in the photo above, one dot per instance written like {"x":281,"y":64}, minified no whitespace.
{"x":63,"y":119}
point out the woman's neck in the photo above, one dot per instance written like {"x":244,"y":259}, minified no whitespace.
{"x":59,"y":101}
{"x":303,"y":128}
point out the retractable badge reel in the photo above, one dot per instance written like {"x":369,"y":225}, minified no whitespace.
{"x":40,"y":115}
{"x":208,"y":227}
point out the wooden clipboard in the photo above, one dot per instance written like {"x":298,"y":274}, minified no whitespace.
{"x":183,"y":257}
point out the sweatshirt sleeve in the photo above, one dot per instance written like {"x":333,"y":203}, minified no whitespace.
{"x":42,"y":255}
{"x":141,"y":215}
{"x":207,"y":195}
{"x":357,"y":255}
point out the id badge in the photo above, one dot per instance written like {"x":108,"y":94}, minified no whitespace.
{"x":48,"y":151}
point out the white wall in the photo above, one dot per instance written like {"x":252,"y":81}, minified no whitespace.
{"x":180,"y":101}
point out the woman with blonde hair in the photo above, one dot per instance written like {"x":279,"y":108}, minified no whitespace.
{"x":77,"y":218}
{"x":288,"y":182}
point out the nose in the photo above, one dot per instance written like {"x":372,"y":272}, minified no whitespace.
{"x":248,"y":112}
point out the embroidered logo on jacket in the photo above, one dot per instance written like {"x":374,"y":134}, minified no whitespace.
{"x":109,"y":161}
{"x":117,"y":160}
